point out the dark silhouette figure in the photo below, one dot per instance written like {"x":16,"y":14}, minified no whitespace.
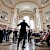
{"x":15,"y":34}
{"x":4,"y":33}
{"x":29,"y":34}
{"x":22,"y":32}
{"x":9,"y":31}
{"x":48,"y":38}
{"x":1,"y":36}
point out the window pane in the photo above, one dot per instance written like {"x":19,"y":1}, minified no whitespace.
{"x":32,"y":24}
{"x":26,"y":18}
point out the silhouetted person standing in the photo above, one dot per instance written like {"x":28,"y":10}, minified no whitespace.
{"x":1,"y":35}
{"x":29,"y":34}
{"x":22,"y":32}
{"x":15,"y":35}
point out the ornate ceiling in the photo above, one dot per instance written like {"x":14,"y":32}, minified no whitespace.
{"x":13,"y":3}
{"x":26,"y":6}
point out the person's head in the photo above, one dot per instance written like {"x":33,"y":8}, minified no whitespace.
{"x":44,"y":32}
{"x":41,"y":31}
{"x":48,"y":26}
{"x":49,"y":31}
{"x":23,"y":20}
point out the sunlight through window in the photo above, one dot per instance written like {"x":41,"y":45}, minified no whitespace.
{"x":32,"y":24}
{"x":29,"y":21}
{"x":26,"y":18}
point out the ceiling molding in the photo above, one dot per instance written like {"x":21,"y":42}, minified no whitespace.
{"x":26,"y":1}
{"x":22,"y":2}
{"x":6,"y":5}
{"x":26,"y":13}
{"x":17,"y":3}
{"x":44,"y":6}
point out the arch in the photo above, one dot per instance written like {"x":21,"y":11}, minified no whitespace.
{"x":26,"y":13}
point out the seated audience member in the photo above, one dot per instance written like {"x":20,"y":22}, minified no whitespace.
{"x":42,"y":36}
{"x":47,"y":38}
{"x":15,"y":34}
{"x":1,"y":35}
{"x":29,"y":34}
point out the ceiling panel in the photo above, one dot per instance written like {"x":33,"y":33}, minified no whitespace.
{"x":13,"y":3}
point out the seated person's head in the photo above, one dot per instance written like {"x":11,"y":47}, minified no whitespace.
{"x":41,"y":31}
{"x":48,"y":26}
{"x":44,"y":32}
{"x":49,"y":31}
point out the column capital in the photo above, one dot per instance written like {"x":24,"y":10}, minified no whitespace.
{"x":12,"y":10}
{"x":40,"y":10}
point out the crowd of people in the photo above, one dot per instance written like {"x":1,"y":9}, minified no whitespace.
{"x":5,"y":33}
{"x":44,"y":36}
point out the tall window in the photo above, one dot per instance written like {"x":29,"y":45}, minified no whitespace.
{"x":26,"y":18}
{"x":32,"y":24}
{"x":29,"y":21}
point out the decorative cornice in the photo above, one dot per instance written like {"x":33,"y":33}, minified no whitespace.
{"x":26,"y":11}
{"x":6,"y":5}
{"x":26,"y":1}
{"x":22,"y":2}
{"x":44,"y":6}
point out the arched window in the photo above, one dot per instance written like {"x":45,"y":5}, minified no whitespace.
{"x":26,"y":18}
{"x":32,"y":26}
{"x":29,"y":21}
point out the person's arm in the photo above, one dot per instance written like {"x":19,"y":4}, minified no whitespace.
{"x":19,"y":24}
{"x":28,"y":25}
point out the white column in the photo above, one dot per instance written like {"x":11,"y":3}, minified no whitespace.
{"x":35,"y":23}
{"x":38,"y":21}
{"x":0,"y":9}
{"x":41,"y":19}
{"x":14,"y":21}
{"x":12,"y":12}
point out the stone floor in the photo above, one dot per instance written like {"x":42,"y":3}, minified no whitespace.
{"x":28,"y":46}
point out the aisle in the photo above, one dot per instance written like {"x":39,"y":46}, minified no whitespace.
{"x":28,"y":46}
{"x":13,"y":46}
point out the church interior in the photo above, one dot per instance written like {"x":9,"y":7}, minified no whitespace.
{"x":36,"y":14}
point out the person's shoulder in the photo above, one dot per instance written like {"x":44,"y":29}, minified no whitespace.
{"x":21,"y":22}
{"x":25,"y":23}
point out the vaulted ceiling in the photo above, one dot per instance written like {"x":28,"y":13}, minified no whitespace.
{"x":13,"y":3}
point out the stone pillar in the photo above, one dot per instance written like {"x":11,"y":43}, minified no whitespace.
{"x":37,"y":20}
{"x":41,"y":19}
{"x":14,"y":18}
{"x":35,"y":23}
{"x":44,"y":21}
{"x":13,"y":21}
{"x":0,"y":11}
{"x":12,"y":13}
